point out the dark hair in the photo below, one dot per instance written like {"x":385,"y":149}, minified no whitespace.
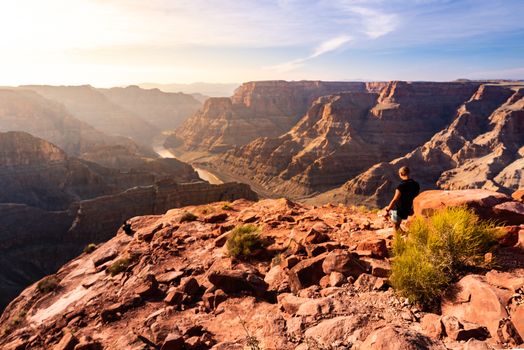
{"x":404,"y":171}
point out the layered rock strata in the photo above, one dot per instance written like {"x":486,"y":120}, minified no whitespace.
{"x":344,"y":134}
{"x":483,"y":147}
{"x":257,"y":109}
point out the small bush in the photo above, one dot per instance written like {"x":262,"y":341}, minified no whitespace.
{"x":436,"y":252}
{"x":227,"y":206}
{"x":243,"y":240}
{"x":15,"y":322}
{"x":91,"y":247}
{"x":119,"y":266}
{"x":48,"y":284}
{"x":188,"y":217}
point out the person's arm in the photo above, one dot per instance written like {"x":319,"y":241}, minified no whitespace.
{"x":396,"y":197}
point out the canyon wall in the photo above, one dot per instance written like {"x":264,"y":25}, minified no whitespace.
{"x":164,"y":110}
{"x":483,"y":147}
{"x":257,"y":109}
{"x":53,"y":205}
{"x":343,"y":134}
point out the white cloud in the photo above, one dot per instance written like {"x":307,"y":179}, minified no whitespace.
{"x":323,"y":48}
{"x":376,"y":23}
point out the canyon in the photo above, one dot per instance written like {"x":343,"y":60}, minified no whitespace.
{"x":347,"y":145}
{"x":52,"y":205}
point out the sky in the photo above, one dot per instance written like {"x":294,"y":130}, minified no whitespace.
{"x":120,"y":42}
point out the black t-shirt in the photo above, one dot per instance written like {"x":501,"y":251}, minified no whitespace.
{"x":409,"y":189}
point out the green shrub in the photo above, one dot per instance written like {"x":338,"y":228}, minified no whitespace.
{"x":227,"y":206}
{"x":243,"y":240}
{"x":436,"y":251}
{"x":91,"y":247}
{"x":188,"y":217}
{"x":48,"y":284}
{"x":119,"y":266}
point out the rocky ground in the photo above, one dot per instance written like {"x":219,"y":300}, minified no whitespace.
{"x":166,"y":282}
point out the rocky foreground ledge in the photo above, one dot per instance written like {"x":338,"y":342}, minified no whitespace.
{"x":166,"y":282}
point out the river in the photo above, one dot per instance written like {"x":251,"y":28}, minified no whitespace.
{"x":202,"y":173}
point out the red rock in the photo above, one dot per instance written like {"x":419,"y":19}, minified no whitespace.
{"x":510,"y":213}
{"x":189,"y":286}
{"x":391,"y":338}
{"x":474,"y":344}
{"x":336,"y":279}
{"x":67,"y":342}
{"x":506,"y":280}
{"x":289,"y":262}
{"x":376,"y":246}
{"x":333,"y":330}
{"x":462,"y":331}
{"x":477,"y":301}
{"x":168,"y":277}
{"x":89,"y":345}
{"x":432,"y":326}
{"x":518,"y":195}
{"x":277,"y":279}
{"x":290,"y":303}
{"x":517,"y":318}
{"x":111,"y":313}
{"x":234,"y":281}
{"x":173,"y":341}
{"x":343,"y":262}
{"x":379,"y":268}
{"x":174,"y":297}
{"x":306,"y":273}
{"x":216,"y":218}
{"x":324,"y":282}
{"x":481,"y":201}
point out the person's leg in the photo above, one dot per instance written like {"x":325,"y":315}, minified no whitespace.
{"x":396,"y":220}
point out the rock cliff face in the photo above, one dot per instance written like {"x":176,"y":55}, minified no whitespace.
{"x":24,"y":110}
{"x":52,"y":205}
{"x":93,"y":107}
{"x":257,"y":109}
{"x":343,"y":134}
{"x":483,"y":147}
{"x":320,"y":283}
{"x":164,"y":110}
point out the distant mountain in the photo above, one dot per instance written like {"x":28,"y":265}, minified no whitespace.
{"x":208,"y":89}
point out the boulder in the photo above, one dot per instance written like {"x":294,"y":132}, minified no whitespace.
{"x":481,"y":201}
{"x":173,"y":341}
{"x":463,"y":331}
{"x":306,"y":273}
{"x":338,"y":330}
{"x":344,"y":262}
{"x":431,"y":325}
{"x":377,"y":246}
{"x":235,"y":281}
{"x":393,"y":338}
{"x":189,"y":285}
{"x":290,"y":303}
{"x":277,"y":279}
{"x":474,"y":300}
{"x":506,"y":280}
{"x":336,"y":279}
{"x":509,"y":213}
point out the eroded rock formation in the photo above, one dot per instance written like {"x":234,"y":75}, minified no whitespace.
{"x":483,"y":147}
{"x":257,"y":109}
{"x":344,"y":134}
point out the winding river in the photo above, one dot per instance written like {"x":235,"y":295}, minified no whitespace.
{"x":202,"y":173}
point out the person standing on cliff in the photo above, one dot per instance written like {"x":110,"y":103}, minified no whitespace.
{"x":401,"y":206}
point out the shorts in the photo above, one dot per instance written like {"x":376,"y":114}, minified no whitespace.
{"x":394,"y":216}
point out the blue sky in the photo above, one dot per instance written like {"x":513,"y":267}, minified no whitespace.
{"x":118,"y":42}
